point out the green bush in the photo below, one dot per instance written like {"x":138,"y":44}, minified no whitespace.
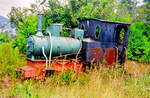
{"x":139,"y":42}
{"x":27,"y":27}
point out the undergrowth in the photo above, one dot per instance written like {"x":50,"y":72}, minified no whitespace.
{"x":10,"y":58}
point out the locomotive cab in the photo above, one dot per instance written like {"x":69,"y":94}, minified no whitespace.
{"x":108,"y":45}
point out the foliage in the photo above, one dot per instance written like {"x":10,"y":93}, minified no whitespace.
{"x":146,"y":12}
{"x":122,"y":34}
{"x":4,"y":34}
{"x":105,"y":82}
{"x":4,"y":37}
{"x":25,"y":28}
{"x":76,"y":10}
{"x":17,"y":14}
{"x":10,"y":58}
{"x":139,"y":42}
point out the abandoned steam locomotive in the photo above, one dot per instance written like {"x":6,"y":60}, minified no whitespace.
{"x":94,"y":41}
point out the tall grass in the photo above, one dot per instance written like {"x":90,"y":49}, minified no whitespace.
{"x":10,"y":58}
{"x":106,"y":82}
{"x":103,"y":82}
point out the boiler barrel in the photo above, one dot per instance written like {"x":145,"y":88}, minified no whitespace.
{"x":60,"y":45}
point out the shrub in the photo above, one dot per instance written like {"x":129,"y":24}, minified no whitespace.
{"x":139,"y":42}
{"x":25,"y":28}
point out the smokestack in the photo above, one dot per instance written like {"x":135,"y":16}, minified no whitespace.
{"x":40,"y":25}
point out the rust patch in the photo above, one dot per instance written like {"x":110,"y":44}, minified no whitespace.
{"x":107,"y":57}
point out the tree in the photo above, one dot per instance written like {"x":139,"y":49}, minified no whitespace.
{"x":146,"y":0}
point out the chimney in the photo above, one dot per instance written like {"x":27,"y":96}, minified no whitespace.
{"x":40,"y":25}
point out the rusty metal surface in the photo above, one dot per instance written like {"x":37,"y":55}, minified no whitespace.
{"x":104,"y":56}
{"x":109,"y":38}
{"x":37,"y":69}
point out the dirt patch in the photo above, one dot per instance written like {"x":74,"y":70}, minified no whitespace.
{"x":5,"y":83}
{"x":137,"y":69}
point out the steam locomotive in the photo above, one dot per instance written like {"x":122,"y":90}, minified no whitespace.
{"x":94,"y":41}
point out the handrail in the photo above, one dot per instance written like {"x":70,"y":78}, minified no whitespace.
{"x":79,"y":50}
{"x":50,"y":52}
{"x":44,"y":55}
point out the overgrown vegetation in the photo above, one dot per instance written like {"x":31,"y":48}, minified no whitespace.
{"x":131,"y":81}
{"x":10,"y":58}
{"x":74,"y":11}
{"x":139,"y":42}
{"x":4,"y":37}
